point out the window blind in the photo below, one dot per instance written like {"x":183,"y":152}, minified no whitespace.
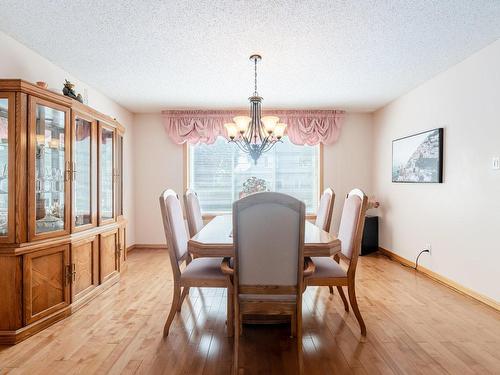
{"x":217,"y":173}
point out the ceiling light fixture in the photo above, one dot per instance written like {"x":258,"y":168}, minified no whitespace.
{"x":255,"y":134}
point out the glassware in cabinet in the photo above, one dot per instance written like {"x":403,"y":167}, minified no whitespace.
{"x":6,"y":122}
{"x":106,"y":174}
{"x":83,"y":168}
{"x":51,"y":168}
{"x":119,"y":174}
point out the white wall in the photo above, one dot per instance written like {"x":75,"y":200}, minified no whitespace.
{"x":18,"y":61}
{"x":347,"y":163}
{"x":159,"y":165}
{"x":459,"y":218}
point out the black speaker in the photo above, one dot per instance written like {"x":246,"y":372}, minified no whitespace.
{"x":369,"y":244}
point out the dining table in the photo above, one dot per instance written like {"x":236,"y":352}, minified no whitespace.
{"x":215,"y":240}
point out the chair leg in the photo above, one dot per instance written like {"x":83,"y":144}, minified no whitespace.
{"x":175,"y":302}
{"x":293,"y":325}
{"x":237,"y":334}
{"x":342,"y":295}
{"x":354,"y":305}
{"x":298,"y":329}
{"x":236,"y":351}
{"x":230,"y":312}
{"x":185,"y":292}
{"x":331,"y":289}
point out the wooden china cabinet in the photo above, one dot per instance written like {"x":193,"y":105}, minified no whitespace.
{"x":62,"y":229}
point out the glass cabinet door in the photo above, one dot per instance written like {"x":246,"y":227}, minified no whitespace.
{"x":106,"y":174}
{"x":6,"y":153}
{"x":51,"y":168}
{"x":119,"y":175}
{"x":82,"y":176}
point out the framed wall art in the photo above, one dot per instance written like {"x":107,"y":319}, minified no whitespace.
{"x":418,"y":158}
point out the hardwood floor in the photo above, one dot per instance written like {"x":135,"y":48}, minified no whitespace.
{"x":415,"y":326}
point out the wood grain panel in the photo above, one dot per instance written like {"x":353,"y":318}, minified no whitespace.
{"x":47,"y":282}
{"x":21,"y":166}
{"x":84,"y":258}
{"x":121,"y":243}
{"x":29,"y":88}
{"x":10,"y":293}
{"x":46,"y":287}
{"x":109,"y":262}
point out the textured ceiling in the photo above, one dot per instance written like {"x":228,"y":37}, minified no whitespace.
{"x":157,"y":54}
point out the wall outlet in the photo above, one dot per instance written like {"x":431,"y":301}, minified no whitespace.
{"x":495,"y":163}
{"x":428,"y":247}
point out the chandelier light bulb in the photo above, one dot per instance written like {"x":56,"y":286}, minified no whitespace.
{"x":279,"y":130}
{"x":269,"y":123}
{"x":231,"y":129}
{"x":242,"y":123}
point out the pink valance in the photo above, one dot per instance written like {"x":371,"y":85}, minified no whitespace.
{"x":309,"y":127}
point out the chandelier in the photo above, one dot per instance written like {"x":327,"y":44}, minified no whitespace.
{"x":255,"y":134}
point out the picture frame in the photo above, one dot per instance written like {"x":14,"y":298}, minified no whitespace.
{"x":418,"y":158}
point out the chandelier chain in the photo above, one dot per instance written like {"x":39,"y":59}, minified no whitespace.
{"x":255,"y":76}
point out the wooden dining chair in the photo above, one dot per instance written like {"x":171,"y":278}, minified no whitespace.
{"x":199,"y":272}
{"x":193,"y":212}
{"x":324,"y":213}
{"x":268,"y":237}
{"x":328,"y":271}
{"x":325,"y":210}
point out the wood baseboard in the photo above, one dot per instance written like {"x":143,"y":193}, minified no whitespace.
{"x":444,"y":280}
{"x":146,"y":246}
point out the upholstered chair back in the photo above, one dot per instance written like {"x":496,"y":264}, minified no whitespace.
{"x":193,"y":212}
{"x":268,"y":231}
{"x":325,"y":210}
{"x":174,"y":227}
{"x":352,"y":224}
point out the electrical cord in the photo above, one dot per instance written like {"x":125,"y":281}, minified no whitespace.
{"x":416,"y":261}
{"x":418,"y":256}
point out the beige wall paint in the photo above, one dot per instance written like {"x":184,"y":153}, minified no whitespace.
{"x":459,"y":218}
{"x":159,"y":165}
{"x":18,"y":61}
{"x":347,"y":162}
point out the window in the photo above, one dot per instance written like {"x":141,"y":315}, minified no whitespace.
{"x":218,"y":171}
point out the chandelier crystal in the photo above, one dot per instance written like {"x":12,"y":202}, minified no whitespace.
{"x":255,"y":134}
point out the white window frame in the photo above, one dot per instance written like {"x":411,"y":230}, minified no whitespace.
{"x":210,"y":215}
